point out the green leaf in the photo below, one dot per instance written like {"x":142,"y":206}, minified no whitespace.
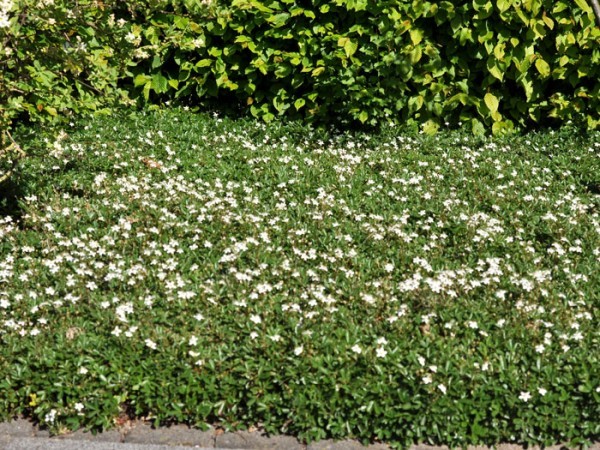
{"x":503,"y":5}
{"x":416,"y":36}
{"x":159,"y":83}
{"x":584,"y":6}
{"x":51,"y":110}
{"x":502,"y":127}
{"x":350,"y":48}
{"x":141,"y":80}
{"x":318,"y":71}
{"x":299,"y":103}
{"x":278,"y":20}
{"x":494,"y":70}
{"x":491,"y":101}
{"x":430,"y":127}
{"x":543,"y":67}
{"x":204,"y":63}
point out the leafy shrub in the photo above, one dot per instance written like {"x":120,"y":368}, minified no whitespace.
{"x":492,"y":64}
{"x":57,"y":58}
{"x":495,"y":64}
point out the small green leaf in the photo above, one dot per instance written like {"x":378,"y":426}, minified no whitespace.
{"x":299,"y":103}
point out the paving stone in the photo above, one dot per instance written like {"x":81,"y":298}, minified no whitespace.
{"x":17,"y":428}
{"x":329,"y":444}
{"x":429,"y":447}
{"x":80,"y":435}
{"x":39,"y":433}
{"x":256,"y":440}
{"x":182,"y":435}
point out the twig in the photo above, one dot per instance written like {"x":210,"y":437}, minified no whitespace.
{"x":596,"y":8}
{"x":13,"y":147}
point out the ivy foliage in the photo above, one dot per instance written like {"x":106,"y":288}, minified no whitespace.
{"x":498,"y":65}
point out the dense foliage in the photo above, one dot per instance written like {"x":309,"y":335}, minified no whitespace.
{"x":489,"y":64}
{"x":385,"y":287}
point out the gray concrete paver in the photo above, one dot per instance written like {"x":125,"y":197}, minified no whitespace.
{"x":256,"y":440}
{"x":182,"y":435}
{"x":329,"y":444}
{"x":17,"y":428}
{"x":27,"y":443}
{"x":105,"y":436}
{"x":23,"y":435}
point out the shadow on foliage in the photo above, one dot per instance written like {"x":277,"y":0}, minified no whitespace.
{"x":11,"y":191}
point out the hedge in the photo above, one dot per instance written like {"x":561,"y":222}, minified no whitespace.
{"x":495,"y":65}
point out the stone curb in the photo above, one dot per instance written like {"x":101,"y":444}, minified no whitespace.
{"x":23,"y":435}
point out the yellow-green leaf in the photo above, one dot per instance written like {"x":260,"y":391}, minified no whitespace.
{"x":543,"y":67}
{"x":503,"y":5}
{"x":52,"y":111}
{"x":584,"y":6}
{"x":318,"y":71}
{"x":491,"y":101}
{"x":204,"y":63}
{"x":430,"y":127}
{"x":496,"y":72}
{"x":350,"y":48}
{"x":416,"y":36}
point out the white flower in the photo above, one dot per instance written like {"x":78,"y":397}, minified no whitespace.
{"x":255,"y":318}
{"x":79,"y":407}
{"x":83,"y":370}
{"x":525,"y":396}
{"x":381,"y":352}
{"x":389,"y":268}
{"x":421,"y":360}
{"x":427,"y":379}
{"x":51,"y":416}
{"x":150,"y":344}
{"x":382,"y":341}
{"x":193,"y":340}
{"x":357,"y":349}
{"x":542,"y":391}
{"x":442,"y":388}
{"x":253,"y":335}
{"x":298,"y":350}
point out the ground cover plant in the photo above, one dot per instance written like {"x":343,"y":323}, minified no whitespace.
{"x":393,"y":287}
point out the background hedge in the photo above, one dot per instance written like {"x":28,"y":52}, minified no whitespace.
{"x":491,"y":64}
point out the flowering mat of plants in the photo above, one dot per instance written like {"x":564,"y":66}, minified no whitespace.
{"x":386,"y":287}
